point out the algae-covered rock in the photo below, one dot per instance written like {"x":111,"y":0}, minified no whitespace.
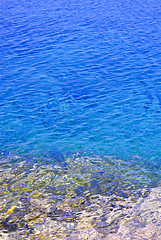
{"x":85,"y":197}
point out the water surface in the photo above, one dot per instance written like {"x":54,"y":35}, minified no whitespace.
{"x":79,"y":78}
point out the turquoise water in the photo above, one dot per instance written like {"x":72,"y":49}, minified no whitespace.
{"x":80,"y":78}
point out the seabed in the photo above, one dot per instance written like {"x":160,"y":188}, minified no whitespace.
{"x":86,"y":197}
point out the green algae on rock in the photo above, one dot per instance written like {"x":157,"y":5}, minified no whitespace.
{"x":87,"y":196}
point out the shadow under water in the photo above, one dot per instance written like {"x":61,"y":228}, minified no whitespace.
{"x":85,"y":197}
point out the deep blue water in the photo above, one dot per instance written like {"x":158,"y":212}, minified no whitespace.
{"x":81,"y":76}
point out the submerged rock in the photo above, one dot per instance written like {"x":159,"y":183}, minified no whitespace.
{"x":86,"y":198}
{"x":144,"y":221}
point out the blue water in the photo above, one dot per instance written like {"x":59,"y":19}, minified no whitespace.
{"x":81,"y":76}
{"x":80,"y":117}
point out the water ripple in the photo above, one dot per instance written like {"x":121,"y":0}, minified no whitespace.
{"x":81,"y":75}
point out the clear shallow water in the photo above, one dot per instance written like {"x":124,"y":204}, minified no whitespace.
{"x":85,"y":197}
{"x":81,"y":76}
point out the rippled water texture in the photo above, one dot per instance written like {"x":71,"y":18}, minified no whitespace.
{"x":81,"y":75}
{"x":80,"y":118}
